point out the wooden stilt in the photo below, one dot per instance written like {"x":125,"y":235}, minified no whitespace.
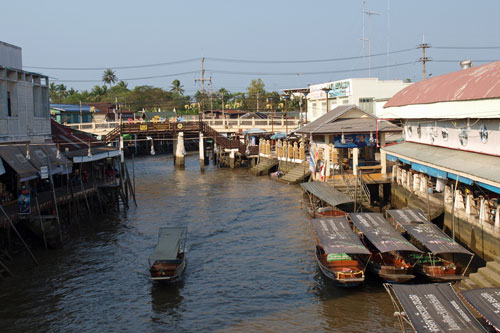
{"x":41,"y":221}
{"x":55,"y":200}
{"x":19,"y":235}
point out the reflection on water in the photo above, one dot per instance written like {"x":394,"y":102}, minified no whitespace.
{"x":250,"y":256}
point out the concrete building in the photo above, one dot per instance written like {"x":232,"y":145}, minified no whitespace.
{"x":370,"y":94}
{"x":451,"y":156}
{"x":71,"y":113}
{"x":24,"y":100}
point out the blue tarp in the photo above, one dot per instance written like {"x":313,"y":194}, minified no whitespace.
{"x":461,"y":179}
{"x":488,"y":187}
{"x":429,"y":170}
{"x":392,"y":158}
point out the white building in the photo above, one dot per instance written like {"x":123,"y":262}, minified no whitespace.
{"x":24,"y":100}
{"x":370,"y":94}
{"x":451,"y":149}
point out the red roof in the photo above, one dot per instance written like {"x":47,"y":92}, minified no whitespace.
{"x":481,"y":82}
{"x":67,"y":137}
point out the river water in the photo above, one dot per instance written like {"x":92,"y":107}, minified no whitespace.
{"x":251,"y":265}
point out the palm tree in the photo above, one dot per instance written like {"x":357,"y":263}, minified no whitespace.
{"x":123,"y":84}
{"x":109,"y":77}
{"x":53,"y":92}
{"x":61,"y":89}
{"x":176,"y":87}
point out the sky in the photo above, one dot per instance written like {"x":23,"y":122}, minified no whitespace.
{"x":245,"y":40}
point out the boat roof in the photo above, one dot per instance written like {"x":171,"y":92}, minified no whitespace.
{"x":327,"y":193}
{"x":169,"y":241}
{"x":434,"y":307}
{"x":486,"y":301}
{"x":381,"y":233}
{"x":336,"y":236}
{"x":434,"y":239}
{"x":407,"y":216}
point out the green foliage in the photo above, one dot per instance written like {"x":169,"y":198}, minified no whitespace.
{"x":109,"y":77}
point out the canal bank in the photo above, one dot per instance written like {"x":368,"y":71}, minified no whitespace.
{"x":250,"y":264}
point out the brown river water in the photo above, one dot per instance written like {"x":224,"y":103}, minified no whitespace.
{"x":250,"y":258}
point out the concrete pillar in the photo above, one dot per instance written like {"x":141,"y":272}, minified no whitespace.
{"x":202,"y":152}
{"x":497,"y":218}
{"x":383,"y":162}
{"x":448,"y":195}
{"x":180,"y":151}
{"x":231,"y":159}
{"x":482,"y":211}
{"x":327,"y":162}
{"x":417,"y":183}
{"x":355,"y":155}
{"x":468,"y":204}
{"x":381,"y":139}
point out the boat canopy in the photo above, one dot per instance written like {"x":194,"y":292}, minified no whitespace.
{"x":326,"y":193}
{"x":336,"y":236}
{"x":486,"y":301}
{"x":433,"y":308}
{"x":407,"y":216}
{"x":434,"y":239}
{"x":170,"y":239}
{"x":381,"y":233}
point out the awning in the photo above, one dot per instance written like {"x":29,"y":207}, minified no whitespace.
{"x":465,"y":164}
{"x":433,"y":308}
{"x":381,"y":233}
{"x":407,"y":216}
{"x":336,"y":236}
{"x":429,"y":170}
{"x":326,"y":193}
{"x":486,"y":301}
{"x":170,"y":239}
{"x":97,"y":153}
{"x":17,"y":161}
{"x":434,"y":239}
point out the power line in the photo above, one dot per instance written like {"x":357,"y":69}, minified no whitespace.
{"x":134,"y":78}
{"x":116,"y":67}
{"x":304,"y":73}
{"x":462,"y":59}
{"x":303,"y":61}
{"x":467,"y":47}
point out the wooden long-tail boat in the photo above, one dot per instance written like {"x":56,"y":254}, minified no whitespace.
{"x":169,"y":258}
{"x":389,"y":248}
{"x":339,"y":253}
{"x":444,"y":260}
{"x":324,"y":200}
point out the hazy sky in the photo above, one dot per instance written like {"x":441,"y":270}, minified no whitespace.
{"x":104,"y":33}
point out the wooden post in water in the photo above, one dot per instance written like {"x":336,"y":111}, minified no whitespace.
{"x":202,"y":152}
{"x":19,"y":235}
{"x":41,"y":221}
{"x":55,"y":200}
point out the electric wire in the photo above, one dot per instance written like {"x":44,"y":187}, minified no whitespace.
{"x":116,"y":67}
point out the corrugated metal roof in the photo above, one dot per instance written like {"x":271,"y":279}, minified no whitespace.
{"x":476,"y":166}
{"x":70,"y":107}
{"x":326,"y":193}
{"x":331,"y":123}
{"x":481,"y":82}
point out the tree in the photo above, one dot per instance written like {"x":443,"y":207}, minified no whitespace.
{"x":256,"y":95}
{"x":109,"y":77}
{"x":122,"y":84}
{"x":61,"y":90}
{"x":53,"y":94}
{"x":176,"y":87}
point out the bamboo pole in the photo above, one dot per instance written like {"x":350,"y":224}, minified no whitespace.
{"x":55,"y":200}
{"x":19,"y":235}
{"x":41,"y":221}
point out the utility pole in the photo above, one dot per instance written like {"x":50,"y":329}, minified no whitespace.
{"x":222,"y":106}
{"x":257,"y":101}
{"x":211,"y":95}
{"x":202,"y":80}
{"x":424,"y":59}
{"x":364,"y":39}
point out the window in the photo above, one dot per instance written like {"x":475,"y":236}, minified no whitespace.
{"x":366,"y":104}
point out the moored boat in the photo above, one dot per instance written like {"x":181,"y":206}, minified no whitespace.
{"x":340,"y":254}
{"x":444,"y":260}
{"x":324,"y":200}
{"x":169,"y":258}
{"x":390,"y":250}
